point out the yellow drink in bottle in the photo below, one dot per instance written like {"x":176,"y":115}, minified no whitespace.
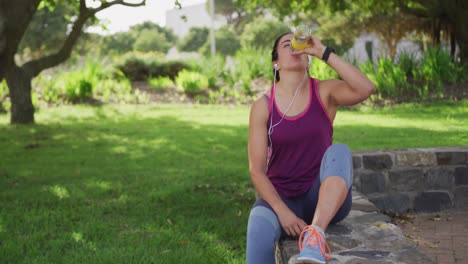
{"x":301,"y":37}
{"x":298,"y":45}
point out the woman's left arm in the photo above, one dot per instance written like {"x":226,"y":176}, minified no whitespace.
{"x":354,"y":87}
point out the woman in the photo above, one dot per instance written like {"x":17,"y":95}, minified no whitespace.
{"x":303,"y":180}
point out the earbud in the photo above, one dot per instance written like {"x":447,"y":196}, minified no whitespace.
{"x":275,"y":65}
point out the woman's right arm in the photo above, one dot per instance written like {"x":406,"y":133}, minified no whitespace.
{"x":258,"y":155}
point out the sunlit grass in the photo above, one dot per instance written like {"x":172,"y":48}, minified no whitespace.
{"x":160,"y":184}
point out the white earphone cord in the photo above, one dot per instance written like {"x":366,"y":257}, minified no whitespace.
{"x":270,"y":129}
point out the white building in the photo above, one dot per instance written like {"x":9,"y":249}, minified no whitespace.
{"x":181,"y":20}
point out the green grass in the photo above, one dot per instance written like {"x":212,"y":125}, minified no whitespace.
{"x":159,"y":184}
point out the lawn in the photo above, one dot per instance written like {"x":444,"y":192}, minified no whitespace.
{"x":160,"y":184}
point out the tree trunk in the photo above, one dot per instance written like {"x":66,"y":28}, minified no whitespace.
{"x":19,"y":85}
{"x":453,"y":45}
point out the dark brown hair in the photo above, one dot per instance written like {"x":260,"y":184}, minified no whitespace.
{"x":274,"y":53}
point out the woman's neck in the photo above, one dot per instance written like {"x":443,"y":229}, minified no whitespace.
{"x":290,"y":81}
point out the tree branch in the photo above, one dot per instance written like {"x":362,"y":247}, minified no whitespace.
{"x":116,"y":2}
{"x":412,"y":11}
{"x":34,"y":67}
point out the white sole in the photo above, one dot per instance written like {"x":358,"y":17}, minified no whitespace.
{"x":309,"y":261}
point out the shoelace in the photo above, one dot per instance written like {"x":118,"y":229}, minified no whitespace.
{"x":313,"y":239}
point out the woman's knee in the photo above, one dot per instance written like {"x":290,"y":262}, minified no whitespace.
{"x":337,"y":161}
{"x":340,"y":148}
{"x":262,"y":219}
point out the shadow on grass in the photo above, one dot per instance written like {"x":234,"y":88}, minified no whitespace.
{"x":124,"y":190}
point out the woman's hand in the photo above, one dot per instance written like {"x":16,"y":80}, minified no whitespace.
{"x":291,"y":224}
{"x":314,"y":48}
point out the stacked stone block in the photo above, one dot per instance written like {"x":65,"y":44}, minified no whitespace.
{"x":423,"y":180}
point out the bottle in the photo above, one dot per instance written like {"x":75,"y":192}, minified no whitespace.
{"x":301,"y":36}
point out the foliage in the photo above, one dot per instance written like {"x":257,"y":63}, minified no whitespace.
{"x":249,"y":64}
{"x":213,"y":68}
{"x":431,"y":17}
{"x":4,"y":93}
{"x":148,"y":25}
{"x":389,"y":79}
{"x":437,"y":66}
{"x":117,"y":43}
{"x":143,"y":37}
{"x":46,"y":32}
{"x":412,"y":79}
{"x":77,"y":87}
{"x":94,"y":81}
{"x":320,"y":70}
{"x":150,"y":40}
{"x":262,"y":32}
{"x":139,"y":66}
{"x":227,"y":42}
{"x":161,"y":83}
{"x":195,"y":39}
{"x":191,"y":82}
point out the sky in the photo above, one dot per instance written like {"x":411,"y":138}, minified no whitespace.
{"x":120,"y":18}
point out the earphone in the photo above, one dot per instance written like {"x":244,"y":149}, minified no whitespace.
{"x":276,"y":67}
{"x":271,"y":128}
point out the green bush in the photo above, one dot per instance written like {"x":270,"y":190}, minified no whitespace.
{"x":4,"y":104}
{"x":389,"y":79}
{"x":247,"y":65}
{"x":438,"y":67}
{"x":409,"y":64}
{"x":150,"y":40}
{"x":97,"y":79}
{"x":78,"y":87}
{"x":141,"y":66}
{"x":167,"y":68}
{"x":214,"y":68}
{"x":134,"y":66}
{"x":191,"y":82}
{"x":160,"y":83}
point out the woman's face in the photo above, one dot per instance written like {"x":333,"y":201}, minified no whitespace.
{"x":286,"y":59}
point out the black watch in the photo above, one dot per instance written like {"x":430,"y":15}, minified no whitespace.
{"x":327,"y":52}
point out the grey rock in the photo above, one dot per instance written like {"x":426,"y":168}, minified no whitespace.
{"x":363,"y":205}
{"x":367,"y":218}
{"x":439,"y":178}
{"x":392,"y":201}
{"x":407,"y":179}
{"x":340,"y":228}
{"x":451,"y":157}
{"x":357,"y":162}
{"x":366,"y":254}
{"x":461,"y":197}
{"x":377,"y":161}
{"x":415,"y":158}
{"x":461,"y":176}
{"x":432,"y":201}
{"x":371,"y":182}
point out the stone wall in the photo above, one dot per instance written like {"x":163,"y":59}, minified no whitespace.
{"x":366,"y":236}
{"x":423,"y":180}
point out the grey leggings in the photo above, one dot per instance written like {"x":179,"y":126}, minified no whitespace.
{"x":263,"y":227}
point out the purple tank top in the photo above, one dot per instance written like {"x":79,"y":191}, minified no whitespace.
{"x":297,"y":145}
